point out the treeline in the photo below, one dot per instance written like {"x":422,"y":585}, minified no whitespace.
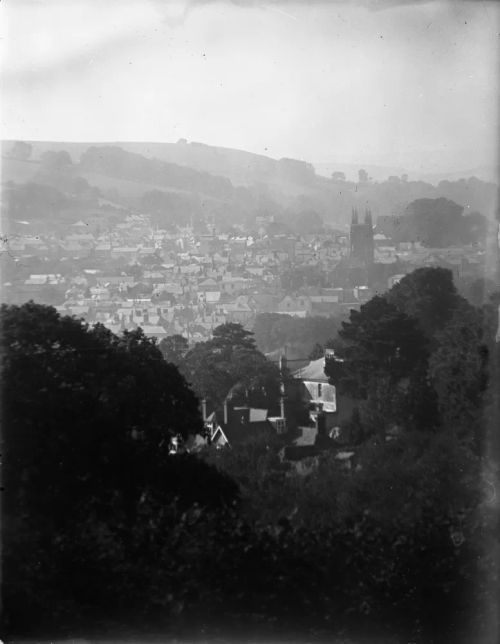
{"x":287,"y":190}
{"x":418,"y":357}
{"x":392,"y":196}
{"x":435,"y":223}
{"x":275,"y":331}
{"x":175,"y":194}
{"x":104,"y":530}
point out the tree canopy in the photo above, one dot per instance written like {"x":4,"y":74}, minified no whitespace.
{"x":84,"y":406}
{"x":230,"y":362}
{"x":174,"y":348}
{"x":379,"y":341}
{"x":439,"y":223}
{"x":87,"y":420}
{"x":429,"y":296}
{"x":97,"y":514}
{"x":417,"y":357}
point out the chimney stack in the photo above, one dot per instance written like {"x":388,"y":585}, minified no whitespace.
{"x":204,"y":409}
{"x":225,"y":412}
{"x":282,"y":366}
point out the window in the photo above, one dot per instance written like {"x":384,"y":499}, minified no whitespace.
{"x":280,"y":426}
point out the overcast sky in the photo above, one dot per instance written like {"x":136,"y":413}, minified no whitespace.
{"x":400,"y":83}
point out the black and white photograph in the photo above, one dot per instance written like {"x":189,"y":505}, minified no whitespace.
{"x":249,"y":321}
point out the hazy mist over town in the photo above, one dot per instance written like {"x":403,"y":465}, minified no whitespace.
{"x":250,"y":287}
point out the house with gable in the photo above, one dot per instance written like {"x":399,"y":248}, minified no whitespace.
{"x":317,"y":392}
{"x":239,"y":311}
{"x":239,"y":425}
{"x":234,"y":425}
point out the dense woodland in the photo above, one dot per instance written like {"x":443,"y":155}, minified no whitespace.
{"x":105,"y":532}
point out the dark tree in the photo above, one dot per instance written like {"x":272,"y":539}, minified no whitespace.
{"x":230,"y":362}
{"x":459,"y":370}
{"x":21,"y":151}
{"x":436,"y":223}
{"x":382,"y":362}
{"x":233,"y":335}
{"x":318,"y":351}
{"x":427,"y":295}
{"x":362,"y":176}
{"x":174,"y":348}
{"x":76,"y":402}
{"x":378,"y":341}
{"x":56,"y":161}
{"x":87,"y":420}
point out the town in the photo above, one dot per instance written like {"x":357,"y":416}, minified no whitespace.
{"x":250,"y":322}
{"x":117,"y":268}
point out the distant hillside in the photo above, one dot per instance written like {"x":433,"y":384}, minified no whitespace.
{"x":229,"y":186}
{"x":240,"y":167}
{"x":376,"y":172}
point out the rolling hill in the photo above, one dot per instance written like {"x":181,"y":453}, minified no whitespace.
{"x":232,"y":186}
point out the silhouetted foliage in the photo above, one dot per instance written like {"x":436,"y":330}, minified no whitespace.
{"x":174,"y":348}
{"x":437,"y":223}
{"x":101,"y":523}
{"x":429,"y":296}
{"x":410,"y":355}
{"x":276,"y":330}
{"x":230,"y":362}
{"x":299,"y":277}
{"x":87,"y":420}
{"x":56,"y":161}
{"x":459,"y":370}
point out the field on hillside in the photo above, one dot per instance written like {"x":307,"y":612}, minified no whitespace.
{"x":129,"y":191}
{"x":132,"y":191}
{"x":18,"y":171}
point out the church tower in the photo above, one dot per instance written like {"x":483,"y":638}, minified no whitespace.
{"x":362,"y":246}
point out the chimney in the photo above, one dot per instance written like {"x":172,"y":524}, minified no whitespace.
{"x":282,"y":366}
{"x":204,"y":409}
{"x":320,"y":423}
{"x":225,"y":412}
{"x":354,"y":220}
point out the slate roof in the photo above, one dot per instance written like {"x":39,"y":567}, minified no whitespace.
{"x":243,"y":423}
{"x":314,"y":371}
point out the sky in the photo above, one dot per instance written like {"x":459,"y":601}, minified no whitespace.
{"x":388,"y":82}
